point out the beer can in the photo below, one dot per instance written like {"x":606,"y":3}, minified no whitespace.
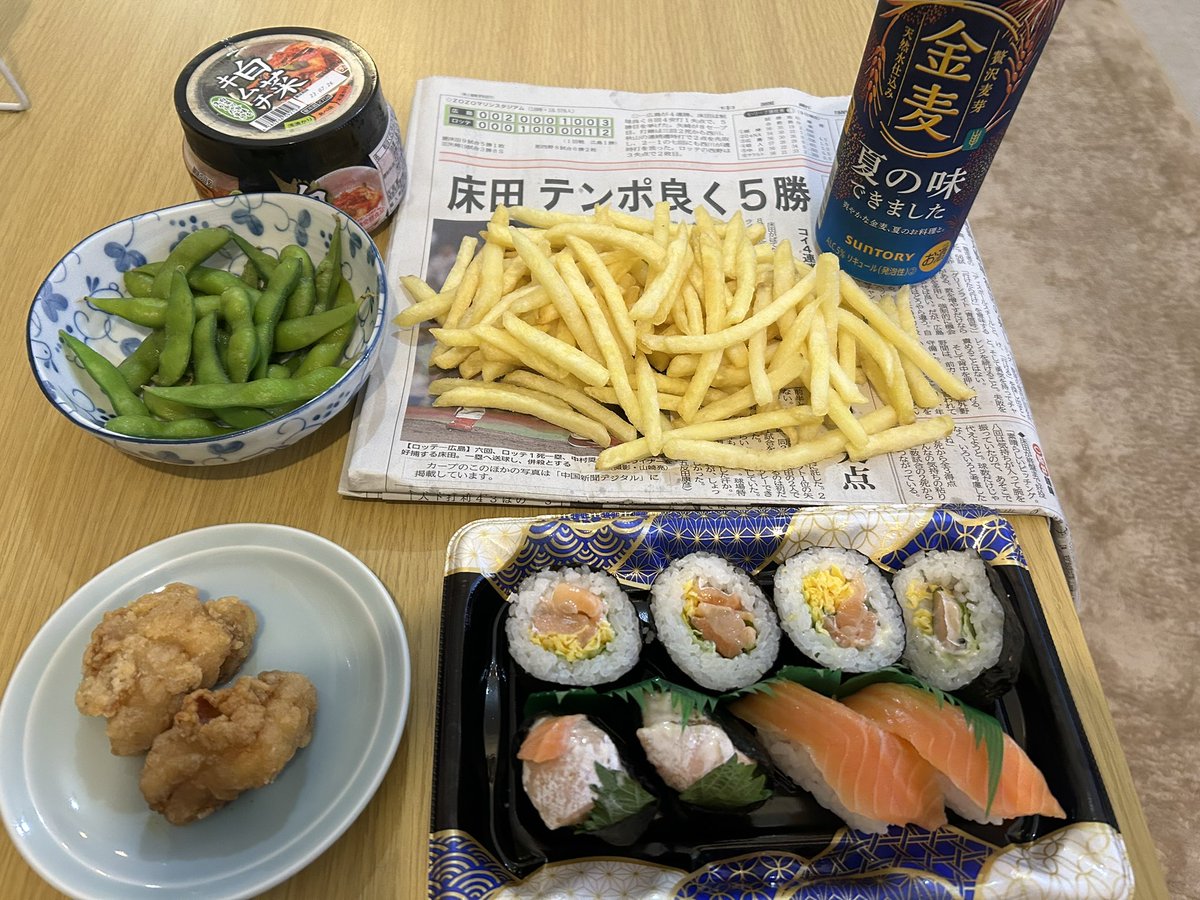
{"x":936,"y":90}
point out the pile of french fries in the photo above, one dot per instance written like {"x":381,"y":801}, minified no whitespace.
{"x":695,"y":332}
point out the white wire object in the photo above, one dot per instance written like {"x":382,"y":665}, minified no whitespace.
{"x":22,"y":101}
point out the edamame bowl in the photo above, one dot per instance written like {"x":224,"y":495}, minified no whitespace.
{"x":96,"y":267}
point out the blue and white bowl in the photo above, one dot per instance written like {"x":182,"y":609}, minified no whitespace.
{"x":95,"y":268}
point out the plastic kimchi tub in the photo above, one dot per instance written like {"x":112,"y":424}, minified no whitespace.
{"x":297,"y":110}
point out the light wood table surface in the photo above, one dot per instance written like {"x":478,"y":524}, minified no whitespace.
{"x":102,"y":142}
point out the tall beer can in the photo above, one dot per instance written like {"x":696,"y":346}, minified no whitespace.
{"x":937,"y":88}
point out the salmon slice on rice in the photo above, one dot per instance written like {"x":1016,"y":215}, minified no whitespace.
{"x":941,"y":735}
{"x":856,"y":769}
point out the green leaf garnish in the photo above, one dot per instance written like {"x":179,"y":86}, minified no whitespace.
{"x":685,"y":700}
{"x":731,"y":785}
{"x":823,"y":681}
{"x":550,"y":701}
{"x":617,"y":797}
{"x":985,"y":729}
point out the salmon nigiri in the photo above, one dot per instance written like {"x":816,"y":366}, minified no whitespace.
{"x":940,"y":733}
{"x":853,"y":767}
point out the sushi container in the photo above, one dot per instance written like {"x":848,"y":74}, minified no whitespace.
{"x":496,"y":719}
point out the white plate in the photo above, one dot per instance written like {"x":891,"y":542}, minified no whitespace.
{"x":74,"y":810}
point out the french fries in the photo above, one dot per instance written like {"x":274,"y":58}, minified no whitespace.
{"x":651,"y":337}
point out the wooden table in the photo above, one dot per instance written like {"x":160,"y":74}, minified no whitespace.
{"x":102,"y":142}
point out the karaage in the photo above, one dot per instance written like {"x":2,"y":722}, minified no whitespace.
{"x":228,"y":741}
{"x":145,"y":657}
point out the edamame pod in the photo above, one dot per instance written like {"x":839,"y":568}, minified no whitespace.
{"x":180,"y":429}
{"x":139,"y":366}
{"x":194,"y":249}
{"x":264,"y":262}
{"x":261,"y":394}
{"x":178,"y":325}
{"x":269,"y":308}
{"x":329,"y":272}
{"x":328,"y":350}
{"x":242,"y":352}
{"x":149,"y":312}
{"x":295,"y":334}
{"x":107,"y":377}
{"x":305,"y":295}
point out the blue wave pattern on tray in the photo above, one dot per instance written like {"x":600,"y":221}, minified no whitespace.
{"x":636,"y":547}
{"x":963,"y":527}
{"x":460,"y":867}
{"x":903,"y":863}
{"x":559,"y":542}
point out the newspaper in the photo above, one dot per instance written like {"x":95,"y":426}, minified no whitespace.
{"x":767,"y":153}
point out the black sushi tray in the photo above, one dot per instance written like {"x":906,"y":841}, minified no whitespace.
{"x":486,"y":836}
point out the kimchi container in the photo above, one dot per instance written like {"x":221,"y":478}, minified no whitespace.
{"x":296,"y":110}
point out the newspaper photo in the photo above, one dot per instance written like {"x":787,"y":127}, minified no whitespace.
{"x":474,"y":146}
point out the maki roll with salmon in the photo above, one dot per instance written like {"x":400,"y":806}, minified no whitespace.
{"x":573,"y":775}
{"x":957,"y":636}
{"x":714,"y":622}
{"x":694,"y":755}
{"x":837,"y":608}
{"x":574,"y":627}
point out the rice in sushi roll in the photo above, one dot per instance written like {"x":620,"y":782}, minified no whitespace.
{"x":714,"y":622}
{"x":838,"y":609}
{"x":954,"y":623}
{"x":573,"y":626}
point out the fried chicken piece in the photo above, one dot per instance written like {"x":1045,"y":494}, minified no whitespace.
{"x":145,"y":657}
{"x":226,"y":742}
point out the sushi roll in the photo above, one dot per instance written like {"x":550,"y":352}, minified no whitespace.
{"x":714,"y":622}
{"x":574,"y":627}
{"x":573,"y":774}
{"x":954,"y":624}
{"x":940,"y":733}
{"x":868,"y":777}
{"x":694,"y":755}
{"x":837,"y":608}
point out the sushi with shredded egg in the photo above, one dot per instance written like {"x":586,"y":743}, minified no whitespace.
{"x":955,"y":624}
{"x":572,"y":772}
{"x":838,"y":609}
{"x":574,"y":627}
{"x":714,"y":622}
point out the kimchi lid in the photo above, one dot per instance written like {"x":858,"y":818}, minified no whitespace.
{"x":274,"y":90}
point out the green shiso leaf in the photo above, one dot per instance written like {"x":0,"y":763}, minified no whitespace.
{"x":731,"y":785}
{"x":985,"y":729}
{"x":823,"y":681}
{"x":617,"y":797}
{"x":888,"y":675}
{"x":637,"y":692}
{"x":551,"y":701}
{"x":988,"y":732}
{"x":685,"y":700}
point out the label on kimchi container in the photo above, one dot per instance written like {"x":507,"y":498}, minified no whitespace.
{"x":277,"y":85}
